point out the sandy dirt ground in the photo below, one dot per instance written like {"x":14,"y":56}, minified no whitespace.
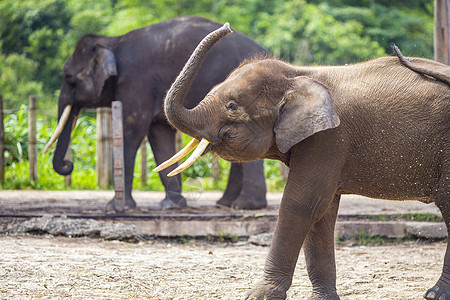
{"x":47,"y":267}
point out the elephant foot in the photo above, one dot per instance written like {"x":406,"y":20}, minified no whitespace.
{"x":324,"y":296}
{"x":225,"y":201}
{"x":438,"y":292}
{"x":172,"y":203}
{"x":264,"y":291}
{"x":130,"y":204}
{"x":243,"y":201}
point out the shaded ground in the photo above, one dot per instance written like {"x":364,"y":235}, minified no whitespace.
{"x":80,"y":268}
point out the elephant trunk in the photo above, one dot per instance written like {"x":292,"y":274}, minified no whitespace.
{"x":186,"y":120}
{"x":190,"y":121}
{"x":61,"y":166}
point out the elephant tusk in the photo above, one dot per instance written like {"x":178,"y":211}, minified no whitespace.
{"x":182,"y":153}
{"x":59,"y":128}
{"x":75,"y":120}
{"x":195,"y":155}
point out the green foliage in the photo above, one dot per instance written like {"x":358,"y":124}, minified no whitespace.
{"x":16,"y":154}
{"x":128,"y":19}
{"x":419,"y":217}
{"x":35,"y":29}
{"x":425,"y":217}
{"x":274,"y":180}
{"x":363,"y":238}
{"x":305,"y":34}
{"x":17,"y":80}
{"x":19,"y":20}
{"x":84,"y":143}
{"x":16,"y":136}
{"x":409,"y":27}
{"x":89,"y":17}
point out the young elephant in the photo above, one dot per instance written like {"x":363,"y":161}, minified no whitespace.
{"x":379,"y":129}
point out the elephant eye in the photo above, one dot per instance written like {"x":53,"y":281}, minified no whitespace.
{"x":231,"y":106}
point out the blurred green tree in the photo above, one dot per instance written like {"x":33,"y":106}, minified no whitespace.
{"x":409,"y":24}
{"x":35,"y":29}
{"x":17,"y":79}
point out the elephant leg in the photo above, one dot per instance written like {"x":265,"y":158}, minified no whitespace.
{"x":234,"y":185}
{"x":292,"y":228}
{"x":253,"y":191}
{"x":246,"y":188}
{"x":314,"y":171}
{"x":162,"y":141}
{"x":319,"y":254}
{"x":441,"y":290}
{"x":297,"y":216}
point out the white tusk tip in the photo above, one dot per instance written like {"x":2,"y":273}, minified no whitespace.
{"x":173,"y":173}
{"x":45,"y":149}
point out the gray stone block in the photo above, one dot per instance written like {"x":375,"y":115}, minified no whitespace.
{"x":426,"y":229}
{"x":76,"y":228}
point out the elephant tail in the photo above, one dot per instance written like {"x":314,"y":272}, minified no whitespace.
{"x":445,"y":78}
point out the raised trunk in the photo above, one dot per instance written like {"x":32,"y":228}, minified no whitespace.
{"x":61,"y":166}
{"x":186,"y":120}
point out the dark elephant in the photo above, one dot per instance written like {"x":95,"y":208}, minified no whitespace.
{"x":137,"y":68}
{"x":379,"y":129}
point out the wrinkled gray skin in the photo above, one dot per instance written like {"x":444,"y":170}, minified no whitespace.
{"x":137,"y":68}
{"x":379,"y":129}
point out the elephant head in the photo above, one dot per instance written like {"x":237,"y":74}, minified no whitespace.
{"x":261,"y":110}
{"x":85,"y":79}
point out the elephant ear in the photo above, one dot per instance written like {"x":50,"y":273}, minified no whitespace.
{"x":105,"y":67}
{"x":306,"y":108}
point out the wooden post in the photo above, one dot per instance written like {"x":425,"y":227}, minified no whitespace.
{"x":119,"y":172}
{"x":144,"y":162}
{"x":215,"y":168}
{"x":32,"y":144}
{"x":104,"y":147}
{"x":2,"y":143}
{"x":442,"y":31}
